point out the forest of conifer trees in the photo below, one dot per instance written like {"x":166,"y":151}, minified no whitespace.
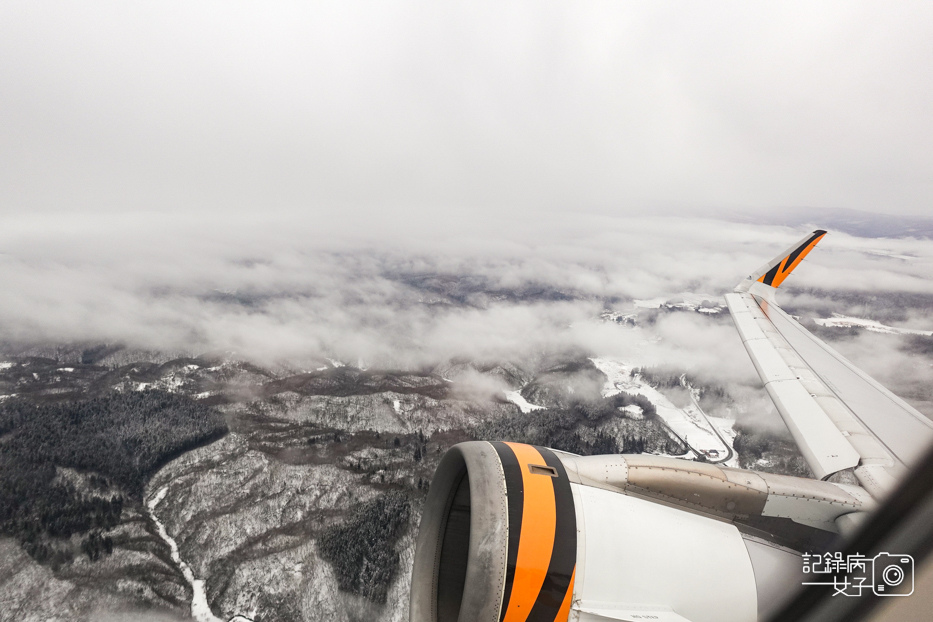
{"x":110,"y":445}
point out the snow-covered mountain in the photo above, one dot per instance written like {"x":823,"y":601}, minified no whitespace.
{"x":233,"y":529}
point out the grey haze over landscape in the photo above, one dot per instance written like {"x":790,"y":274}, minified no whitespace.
{"x":280,"y":290}
{"x":322,"y":242}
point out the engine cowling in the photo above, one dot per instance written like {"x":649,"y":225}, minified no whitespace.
{"x":512,"y":532}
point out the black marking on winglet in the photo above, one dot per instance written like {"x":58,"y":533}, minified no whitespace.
{"x":793,"y":256}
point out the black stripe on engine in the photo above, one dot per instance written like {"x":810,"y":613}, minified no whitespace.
{"x":515,"y":491}
{"x":564,"y":555}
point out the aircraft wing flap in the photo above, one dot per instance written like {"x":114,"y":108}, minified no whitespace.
{"x":768,"y":361}
{"x":745,"y":322}
{"x":903,"y":433}
{"x":823,"y":445}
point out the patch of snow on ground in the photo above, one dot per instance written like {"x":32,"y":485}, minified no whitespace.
{"x":689,"y":299}
{"x":690,"y":423}
{"x":726,"y":429}
{"x":843,"y":321}
{"x":516,"y":398}
{"x":200,"y":610}
{"x":621,"y":318}
{"x":654,"y":303}
{"x":66,"y":369}
{"x":6,"y":397}
{"x":171,"y":383}
{"x":6,"y":365}
{"x":704,"y":303}
{"x":397,"y":405}
{"x":156,"y":500}
{"x":335,"y":363}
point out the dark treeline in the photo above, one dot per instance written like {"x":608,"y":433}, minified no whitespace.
{"x":781,"y":454}
{"x":362,"y":549}
{"x":116,"y":442}
{"x":751,"y":445}
{"x":660,"y":377}
{"x":918,"y":344}
{"x":572,"y":429}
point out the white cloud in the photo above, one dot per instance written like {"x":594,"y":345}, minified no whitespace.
{"x":291,"y":288}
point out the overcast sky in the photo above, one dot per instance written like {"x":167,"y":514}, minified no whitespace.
{"x":372,"y":111}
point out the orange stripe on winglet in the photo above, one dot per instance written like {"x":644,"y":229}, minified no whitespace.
{"x":785,"y":271}
{"x":539,"y":521}
{"x":564,"y":612}
{"x":782,"y":269}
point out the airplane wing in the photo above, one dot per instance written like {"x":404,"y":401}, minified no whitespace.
{"x":839,"y":416}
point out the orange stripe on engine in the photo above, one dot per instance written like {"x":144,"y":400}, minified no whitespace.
{"x":784,"y":272}
{"x":564,"y":612}
{"x":536,"y":543}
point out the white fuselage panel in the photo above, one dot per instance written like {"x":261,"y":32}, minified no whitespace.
{"x":636,"y":553}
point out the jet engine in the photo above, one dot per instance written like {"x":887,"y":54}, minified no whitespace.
{"x":515,"y":533}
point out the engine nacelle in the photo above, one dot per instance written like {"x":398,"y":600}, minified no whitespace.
{"x":512,"y":532}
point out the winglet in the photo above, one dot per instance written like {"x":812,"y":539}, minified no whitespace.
{"x":765,"y":281}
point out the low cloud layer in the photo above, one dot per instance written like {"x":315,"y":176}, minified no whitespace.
{"x":399,"y":295}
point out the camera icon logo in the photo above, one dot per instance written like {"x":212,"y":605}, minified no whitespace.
{"x":893,"y":575}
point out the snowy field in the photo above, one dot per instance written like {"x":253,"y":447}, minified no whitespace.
{"x":843,"y":321}
{"x":516,"y":398}
{"x":691,"y":424}
{"x":200,"y":609}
